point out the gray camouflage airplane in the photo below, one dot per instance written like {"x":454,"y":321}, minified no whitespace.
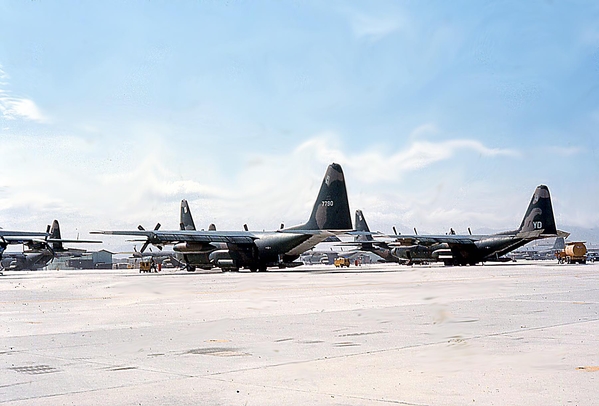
{"x":40,"y":252}
{"x":364,"y":240}
{"x":177,"y":258}
{"x":203,"y":258}
{"x":16,"y":237}
{"x":32,"y":260}
{"x":232,"y":250}
{"x":538,"y":222}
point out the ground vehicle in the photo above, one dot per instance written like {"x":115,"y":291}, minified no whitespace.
{"x":147,"y":266}
{"x":341,"y":262}
{"x":573,"y":252}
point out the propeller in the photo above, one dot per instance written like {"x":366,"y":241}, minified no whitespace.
{"x":282,"y":226}
{"x":415,"y":232}
{"x":49,"y":247}
{"x":145,"y":246}
{"x":394,"y":230}
{"x":469,"y":232}
{"x":245,"y":227}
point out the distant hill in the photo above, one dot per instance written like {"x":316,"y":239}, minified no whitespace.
{"x":590,"y":235}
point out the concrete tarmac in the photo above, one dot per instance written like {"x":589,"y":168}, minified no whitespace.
{"x":523,"y":333}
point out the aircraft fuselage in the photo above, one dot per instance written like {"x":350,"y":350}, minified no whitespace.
{"x":269,"y":249}
{"x":26,"y":261}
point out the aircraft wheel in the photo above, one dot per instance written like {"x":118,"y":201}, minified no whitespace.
{"x":253,"y":269}
{"x":262,"y":268}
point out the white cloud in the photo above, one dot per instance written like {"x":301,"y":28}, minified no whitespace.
{"x":86,"y":186}
{"x":377,"y":166}
{"x":14,"y":107}
{"x":373,"y":28}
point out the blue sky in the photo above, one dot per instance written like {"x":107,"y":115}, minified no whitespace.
{"x":442,"y":114}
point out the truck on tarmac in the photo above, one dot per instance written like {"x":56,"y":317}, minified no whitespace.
{"x":341,"y":262}
{"x":573,"y":252}
{"x":147,"y":266}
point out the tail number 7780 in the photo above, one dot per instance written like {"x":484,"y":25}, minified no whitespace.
{"x":327,"y":203}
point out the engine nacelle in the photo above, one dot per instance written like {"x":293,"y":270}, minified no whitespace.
{"x":411,"y":252}
{"x":222,"y":259}
{"x":9,"y":264}
{"x":419,"y":252}
{"x":193,"y":248}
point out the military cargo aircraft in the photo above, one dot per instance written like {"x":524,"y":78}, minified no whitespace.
{"x":40,"y":252}
{"x":32,"y":260}
{"x":538,"y":222}
{"x":232,"y":250}
{"x":202,"y":259}
{"x":16,"y":237}
{"x":177,"y":259}
{"x":364,"y":240}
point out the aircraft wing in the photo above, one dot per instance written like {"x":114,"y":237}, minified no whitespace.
{"x":21,"y":240}
{"x":7,"y":234}
{"x":173,"y":237}
{"x":454,"y":240}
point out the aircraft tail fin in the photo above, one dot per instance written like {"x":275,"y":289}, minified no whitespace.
{"x":559,"y":244}
{"x":55,"y":235}
{"x":361,"y":225}
{"x":186,"y":222}
{"x":331,"y":209}
{"x":539,"y":215}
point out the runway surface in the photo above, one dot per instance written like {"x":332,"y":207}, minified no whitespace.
{"x":519,"y":333}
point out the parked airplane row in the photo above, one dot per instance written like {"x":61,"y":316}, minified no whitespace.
{"x":233,"y":250}
{"x":42,"y":248}
{"x":452,"y":249}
